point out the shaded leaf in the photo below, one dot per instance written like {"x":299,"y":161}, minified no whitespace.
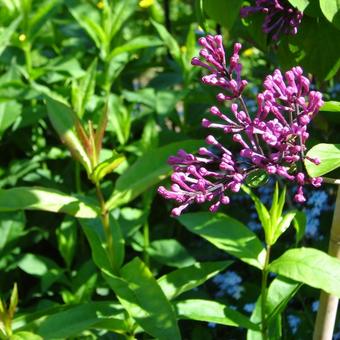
{"x":171,"y":253}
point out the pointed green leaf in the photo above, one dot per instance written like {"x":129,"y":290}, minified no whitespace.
{"x":13,"y":301}
{"x":310,"y":266}
{"x":136,"y":44}
{"x":262,"y":212}
{"x":143,"y":298}
{"x":169,"y":41}
{"x":331,"y":10}
{"x":283,"y":224}
{"x":106,"y":167}
{"x":329,"y":156}
{"x":6,"y":33}
{"x":42,"y":15}
{"x":121,"y":13}
{"x":10,"y":110}
{"x":211,"y":311}
{"x":300,"y":221}
{"x":187,"y":278}
{"x":76,"y":319}
{"x":25,"y":336}
{"x":67,"y":239}
{"x":64,"y":120}
{"x":84,"y":89}
{"x":227,"y":234}
{"x":36,"y":198}
{"x":331,"y":106}
{"x":299,"y":4}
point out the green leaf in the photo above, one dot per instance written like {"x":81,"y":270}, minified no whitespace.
{"x":6,"y":33}
{"x":147,"y":171}
{"x":42,"y":15}
{"x":331,"y":106}
{"x":11,"y":228}
{"x":37,"y":198}
{"x":67,"y":239}
{"x":299,"y":223}
{"x":121,"y":13}
{"x":13,"y":301}
{"x":257,"y":178}
{"x":135,"y":44}
{"x":283,"y":224}
{"x":211,"y":311}
{"x":88,"y":23}
{"x":184,"y":279}
{"x":76,"y":319}
{"x":301,"y":5}
{"x":331,"y":10}
{"x":263,"y":214}
{"x":223,"y":12}
{"x":143,"y":298}
{"x":96,"y":237}
{"x":25,"y":336}
{"x":64,"y":121}
{"x":106,"y":167}
{"x":171,"y":253}
{"x":279,"y":293}
{"x":227,"y":234}
{"x":84,"y":89}
{"x":307,"y":48}
{"x":120,"y":118}
{"x":169,"y":41}
{"x":10,"y":110}
{"x":329,"y":156}
{"x":46,"y":269}
{"x":310,"y":266}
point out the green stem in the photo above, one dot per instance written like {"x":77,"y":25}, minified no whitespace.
{"x":146,"y":243}
{"x":77,"y":177}
{"x":264,"y":292}
{"x":28,"y":58}
{"x":105,"y":218}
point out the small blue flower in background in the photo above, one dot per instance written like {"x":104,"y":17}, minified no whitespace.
{"x":317,"y":204}
{"x":249,"y":307}
{"x":294,"y":322}
{"x":229,"y":283}
{"x":315,"y":306}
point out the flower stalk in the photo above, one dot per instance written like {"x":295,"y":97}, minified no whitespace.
{"x":264,"y":293}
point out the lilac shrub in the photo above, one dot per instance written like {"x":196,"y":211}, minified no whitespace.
{"x":280,"y":16}
{"x":271,"y":140}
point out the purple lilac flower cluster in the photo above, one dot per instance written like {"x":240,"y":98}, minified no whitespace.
{"x":280,"y":18}
{"x":272,"y":140}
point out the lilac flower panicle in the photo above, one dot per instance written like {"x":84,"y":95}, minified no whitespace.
{"x":214,"y":60}
{"x":280,"y":16}
{"x":272,"y":140}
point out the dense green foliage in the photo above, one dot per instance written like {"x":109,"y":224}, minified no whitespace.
{"x":94,"y":97}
